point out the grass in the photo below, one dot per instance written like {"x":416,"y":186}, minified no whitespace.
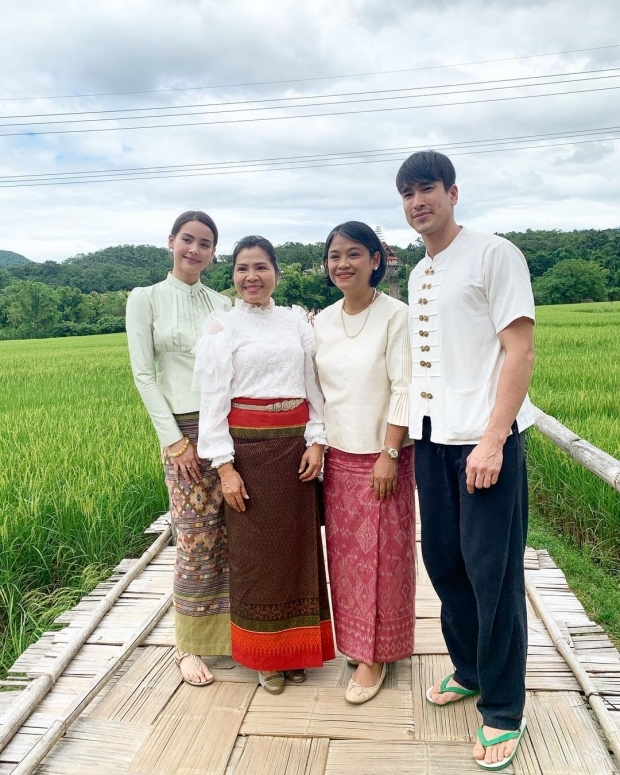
{"x":577,"y":380}
{"x":80,"y":478}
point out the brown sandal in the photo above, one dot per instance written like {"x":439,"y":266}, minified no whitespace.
{"x":180,"y":656}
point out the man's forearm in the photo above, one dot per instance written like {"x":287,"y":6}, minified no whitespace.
{"x":514,"y":379}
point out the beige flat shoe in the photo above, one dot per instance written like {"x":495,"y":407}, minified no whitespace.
{"x":357,"y":694}
{"x":180,"y":655}
{"x":274,"y":684}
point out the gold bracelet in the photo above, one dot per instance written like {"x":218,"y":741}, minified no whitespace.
{"x":181,"y":451}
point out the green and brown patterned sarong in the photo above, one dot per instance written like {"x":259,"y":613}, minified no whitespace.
{"x":201,"y":597}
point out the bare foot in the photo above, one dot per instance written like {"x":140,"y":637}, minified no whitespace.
{"x":192,"y":672}
{"x":494,"y":753}
{"x":368,"y":676}
{"x":441,"y":698}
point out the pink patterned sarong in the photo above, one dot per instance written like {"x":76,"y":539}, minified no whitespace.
{"x":371,"y":558}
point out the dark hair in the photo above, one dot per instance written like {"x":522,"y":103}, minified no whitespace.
{"x":358,"y":232}
{"x":426,"y":167}
{"x":254,"y":241}
{"x":195,"y":215}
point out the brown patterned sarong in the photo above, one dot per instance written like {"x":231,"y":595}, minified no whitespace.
{"x":201,"y":603}
{"x":278,"y":590}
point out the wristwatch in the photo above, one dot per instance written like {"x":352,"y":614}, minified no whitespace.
{"x":393,"y":453}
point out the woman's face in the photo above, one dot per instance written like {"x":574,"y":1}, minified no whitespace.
{"x":350,"y":264}
{"x":193,"y":249}
{"x":254,"y":276}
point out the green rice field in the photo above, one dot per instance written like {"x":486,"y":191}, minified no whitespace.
{"x":80,"y":480}
{"x":81,"y":477}
{"x":577,"y":381}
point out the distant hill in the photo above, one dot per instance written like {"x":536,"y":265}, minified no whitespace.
{"x":8,"y":258}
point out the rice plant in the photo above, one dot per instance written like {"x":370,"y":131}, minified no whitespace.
{"x":81,"y":477}
{"x":577,"y":381}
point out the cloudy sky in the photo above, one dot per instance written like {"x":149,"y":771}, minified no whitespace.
{"x":524,"y":95}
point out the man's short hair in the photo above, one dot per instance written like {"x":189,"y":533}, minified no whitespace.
{"x":425,"y":167}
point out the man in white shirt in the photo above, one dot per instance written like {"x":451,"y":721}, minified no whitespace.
{"x":471,"y":324}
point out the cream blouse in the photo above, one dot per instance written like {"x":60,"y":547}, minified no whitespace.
{"x":164,"y":322}
{"x":365,"y":380}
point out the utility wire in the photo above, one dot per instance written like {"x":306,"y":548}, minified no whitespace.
{"x":305,"y":157}
{"x":313,"y":78}
{"x":612,"y":70}
{"x":335,"y":163}
{"x":383,"y":109}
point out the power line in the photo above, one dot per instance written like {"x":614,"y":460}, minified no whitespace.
{"x":306,"y":157}
{"x":312,"y":78}
{"x":566,"y":75}
{"x":460,"y":149}
{"x":382,"y":109}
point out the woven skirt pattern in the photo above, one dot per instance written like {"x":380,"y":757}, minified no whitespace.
{"x":371,"y":558}
{"x":200,"y":587}
{"x":278,"y":591}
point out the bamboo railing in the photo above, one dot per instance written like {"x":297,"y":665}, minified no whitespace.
{"x":30,"y":697}
{"x":594,"y":459}
{"x":606,"y":468}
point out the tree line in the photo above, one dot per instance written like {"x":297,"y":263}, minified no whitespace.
{"x":86,"y":294}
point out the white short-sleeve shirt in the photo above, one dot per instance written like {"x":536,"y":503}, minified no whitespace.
{"x":459,"y":301}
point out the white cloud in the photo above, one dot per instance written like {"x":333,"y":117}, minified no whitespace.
{"x":74,"y":48}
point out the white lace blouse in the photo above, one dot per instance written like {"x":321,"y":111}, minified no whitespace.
{"x":253,"y":352}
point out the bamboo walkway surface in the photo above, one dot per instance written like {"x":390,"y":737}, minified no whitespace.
{"x":144,"y":720}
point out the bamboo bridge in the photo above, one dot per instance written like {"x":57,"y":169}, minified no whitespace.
{"x":103,"y":695}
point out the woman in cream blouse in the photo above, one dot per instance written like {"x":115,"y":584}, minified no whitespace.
{"x":164,"y":322}
{"x":364,"y":365}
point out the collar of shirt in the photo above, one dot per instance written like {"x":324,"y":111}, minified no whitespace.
{"x":174,"y":281}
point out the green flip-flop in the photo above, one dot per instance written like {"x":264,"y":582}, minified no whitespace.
{"x":503,"y":763}
{"x":445,"y":688}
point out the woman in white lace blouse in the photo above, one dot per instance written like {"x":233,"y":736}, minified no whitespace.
{"x":261,"y":424}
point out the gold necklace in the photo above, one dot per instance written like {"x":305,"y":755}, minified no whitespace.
{"x":368,"y":308}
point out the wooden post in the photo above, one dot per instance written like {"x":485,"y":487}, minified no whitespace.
{"x":29,"y":698}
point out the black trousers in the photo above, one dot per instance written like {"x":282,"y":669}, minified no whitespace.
{"x":473,"y":547}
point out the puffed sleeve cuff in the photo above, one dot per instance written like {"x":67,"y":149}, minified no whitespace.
{"x":213,"y":367}
{"x":398,"y":410}
{"x":220,"y":460}
{"x":315,"y":433}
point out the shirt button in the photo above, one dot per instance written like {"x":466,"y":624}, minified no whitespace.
{"x":424,"y":395}
{"x":429,"y":395}
{"x":431,"y":271}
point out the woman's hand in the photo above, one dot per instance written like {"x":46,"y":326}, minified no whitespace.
{"x":311,"y":463}
{"x":187,"y":464}
{"x":233,"y":488}
{"x":384,"y":477}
